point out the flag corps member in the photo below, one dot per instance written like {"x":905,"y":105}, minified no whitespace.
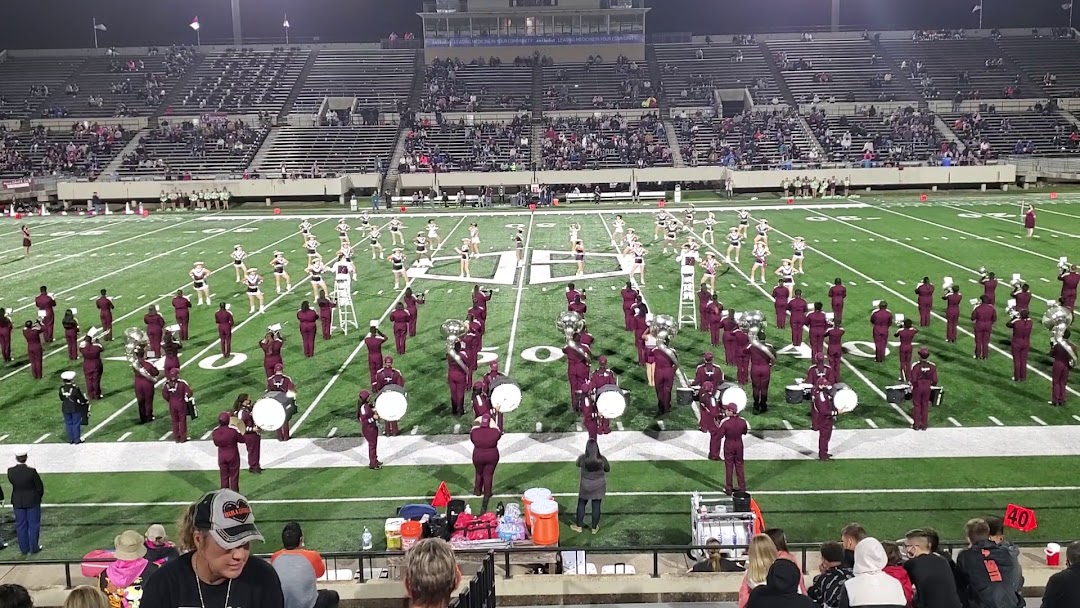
{"x":485,"y":437}
{"x":923,"y":378}
{"x":369,"y":427}
{"x":177,"y":394}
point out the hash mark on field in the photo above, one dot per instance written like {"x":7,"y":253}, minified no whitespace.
{"x":124,"y":436}
{"x":787,"y":425}
{"x":40,"y":439}
{"x":619,"y":425}
{"x":926,"y":238}
{"x":907,"y":238}
{"x":954,"y":421}
{"x":732,"y":285}
{"x":804,"y":284}
{"x":1038,"y":421}
{"x":996,"y":421}
{"x":450,"y":290}
{"x":23,"y":299}
{"x":660,"y":286}
{"x":141,"y":297}
{"x":332,"y":432}
{"x":901,"y":282}
{"x":414,"y":430}
{"x":871,"y":423}
{"x":165,"y":436}
{"x":380,"y":292}
{"x":871,"y":240}
{"x":3,"y":437}
{"x":944,"y":238}
{"x":1075,"y":417}
{"x":835,"y":241}
{"x":973,"y":281}
{"x":1044,"y":279}
{"x":206,"y":435}
{"x":816,"y":241}
{"x":963,"y":238}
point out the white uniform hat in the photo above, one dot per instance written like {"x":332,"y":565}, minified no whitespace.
{"x":67,"y":376}
{"x":20,"y":451}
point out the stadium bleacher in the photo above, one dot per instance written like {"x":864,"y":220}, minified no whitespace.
{"x":605,"y":141}
{"x":841,"y":70}
{"x":975,"y":67}
{"x":214,"y":146}
{"x":82,"y":151}
{"x":1040,"y":58}
{"x":620,"y":85}
{"x":903,"y":135}
{"x":31,"y":84}
{"x":994,"y":134}
{"x":242,"y":82}
{"x":459,"y":146}
{"x":345,"y":149}
{"x":125,"y":85}
{"x":458,"y":86}
{"x":378,"y":79}
{"x":722,"y":66}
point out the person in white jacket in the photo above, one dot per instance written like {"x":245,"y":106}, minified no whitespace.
{"x":871,"y":587}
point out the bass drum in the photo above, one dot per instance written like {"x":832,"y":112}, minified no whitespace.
{"x":845,"y":400}
{"x":391,"y":403}
{"x":610,"y":401}
{"x":273,"y":410}
{"x":505,"y":395}
{"x":732,"y":393}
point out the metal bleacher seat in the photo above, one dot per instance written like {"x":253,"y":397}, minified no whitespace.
{"x":1041,"y":56}
{"x":722,"y":66}
{"x":899,"y":136}
{"x":98,"y":75}
{"x":207,"y":148}
{"x":845,"y":63}
{"x":243,"y":82}
{"x":18,"y":74}
{"x":345,"y":149}
{"x":597,"y":143}
{"x":503,"y":87}
{"x":1048,"y":134}
{"x":946,"y":59}
{"x":377,"y":78}
{"x":580,"y":86}
{"x":462,"y":147}
{"x":749,"y":140}
{"x":22,"y":152}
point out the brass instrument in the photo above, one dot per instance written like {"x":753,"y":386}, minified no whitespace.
{"x":452,"y":330}
{"x":1057,"y":319}
{"x":135,"y":343}
{"x":665,"y":328}
{"x":572,"y":323}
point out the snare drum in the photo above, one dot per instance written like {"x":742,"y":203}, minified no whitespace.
{"x":684,"y":395}
{"x":391,"y":403}
{"x":897,"y":393}
{"x":610,"y":401}
{"x":793,"y":393}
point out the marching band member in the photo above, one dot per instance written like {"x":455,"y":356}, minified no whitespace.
{"x":315,"y":270}
{"x":763,"y":229}
{"x":481,"y":405}
{"x":253,"y":282}
{"x":837,"y":294}
{"x":423,"y":252}
{"x":271,"y":345}
{"x":464,"y":253}
{"x":369,"y":427}
{"x":881,"y":320}
{"x":796,"y":308}
{"x":798,"y":247}
{"x":818,"y":370}
{"x":732,"y":430}
{"x":278,"y":264}
{"x":105,"y":314}
{"x":373,"y":343}
{"x":227,"y":438}
{"x":1029,"y":220}
{"x":578,"y":359}
{"x":744,"y":222}
{"x":640,"y":326}
{"x":817,"y":324}
{"x":1022,"y":295}
{"x":710,"y":266}
{"x":922,"y":377}
{"x":457,"y":374}
{"x":374,"y":243}
{"x":761,"y":362}
{"x":601,"y":376}
{"x":729,"y":325}
{"x":835,"y":349}
{"x":735,"y":240}
{"x":480,"y":298}
{"x":252,"y":439}
{"x":952,"y":311}
{"x":708,"y":411}
{"x":326,"y":315}
{"x":485,"y":437}
{"x":171,"y":350}
{"x":671,"y":232}
{"x":74,"y":406}
{"x":578,"y":306}
{"x":906,"y":335}
{"x":594,"y":423}
{"x":238,"y":255}
{"x":990,"y":284}
{"x":824,"y":414}
{"x":199,"y":275}
{"x":617,"y":231}
{"x":629,"y":297}
{"x":32,"y":332}
{"x":714,"y":313}
{"x":281,"y":383}
{"x":708,"y":372}
{"x":579,"y":257}
{"x":400,"y":318}
{"x":155,"y":328}
{"x":984,"y":316}
{"x":761,"y":255}
{"x":5,"y":335}
{"x":925,"y":298}
{"x":665,"y":362}
{"x":311,"y":248}
{"x":71,"y":334}
{"x":397,"y":237}
{"x":492,"y":375}
{"x":470,"y":344}
{"x":572,"y":293}
{"x":177,"y":394}
{"x":519,"y":250}
{"x":1063,"y":353}
{"x":433,"y":234}
{"x":397,"y":265}
{"x":343,"y":232}
{"x":1070,"y":280}
{"x":145,"y":374}
{"x":412,"y":304}
{"x":708,"y":232}
{"x":473,"y":242}
{"x":182,"y":312}
{"x":92,"y":366}
{"x":45,"y":302}
{"x":308,"y":320}
{"x":781,"y":294}
{"x":742,"y":358}
{"x":638,"y":266}
{"x":224,"y":320}
{"x":1020,"y":343}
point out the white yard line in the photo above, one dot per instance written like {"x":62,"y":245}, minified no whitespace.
{"x":905,"y":298}
{"x":996,"y":421}
{"x":143,"y":307}
{"x":870,"y":423}
{"x":3,"y":437}
{"x":1019,"y":223}
{"x":356,"y":351}
{"x":42,"y":438}
{"x":99,"y":248}
{"x":60,"y":238}
{"x":1043,"y":209}
{"x":954,"y":421}
{"x":124,"y":436}
{"x":522,"y":272}
{"x":1038,"y":421}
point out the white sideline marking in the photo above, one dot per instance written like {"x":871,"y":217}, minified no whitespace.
{"x":996,"y":421}
{"x":124,"y":436}
{"x":517,"y":300}
{"x":954,"y":421}
{"x":206,"y":435}
{"x":1038,"y":421}
{"x":787,"y":425}
{"x":40,"y":439}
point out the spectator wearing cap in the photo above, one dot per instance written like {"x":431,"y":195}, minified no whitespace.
{"x":593,"y":485}
{"x":15,"y":596}
{"x":123,"y":580}
{"x":74,"y":406}
{"x":781,"y":588}
{"x":299,"y":568}
{"x":871,"y":586}
{"x":158,"y":547}
{"x":217,"y":570}
{"x":26,"y":494}
{"x":829,"y":583}
{"x":1063,"y":588}
{"x":431,"y":574}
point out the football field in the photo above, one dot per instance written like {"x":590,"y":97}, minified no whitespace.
{"x":880,"y":247}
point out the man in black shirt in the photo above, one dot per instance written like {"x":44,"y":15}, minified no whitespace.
{"x":218,"y":571}
{"x":26,"y":494}
{"x":931,"y":574}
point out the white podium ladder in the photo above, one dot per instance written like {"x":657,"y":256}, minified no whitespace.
{"x":345,"y":311}
{"x":687,"y":298}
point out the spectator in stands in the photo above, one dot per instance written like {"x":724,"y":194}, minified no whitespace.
{"x":126,"y":577}
{"x":15,"y":596}
{"x":594,"y":469}
{"x":894,"y":568}
{"x":871,"y":586}
{"x":850,"y":536}
{"x":781,"y":588}
{"x":298,"y":569}
{"x":158,"y":547}
{"x":977,"y":586}
{"x":715,"y":561}
{"x":1063,"y":588}
{"x":85,"y":596}
{"x":780,"y":541}
{"x":760,"y":557}
{"x":829,"y":583}
{"x":431,"y":574}
{"x":930,"y":573}
{"x":997,"y":535}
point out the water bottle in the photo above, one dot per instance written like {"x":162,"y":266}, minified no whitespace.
{"x":365,"y":540}
{"x":468,"y":509}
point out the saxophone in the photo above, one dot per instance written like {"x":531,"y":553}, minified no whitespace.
{"x":135,"y":343}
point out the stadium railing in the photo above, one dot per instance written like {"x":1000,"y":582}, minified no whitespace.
{"x":481,"y":591}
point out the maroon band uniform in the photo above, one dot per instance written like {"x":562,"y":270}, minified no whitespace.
{"x":797,"y":310}
{"x":33,"y":350}
{"x":907,"y":345}
{"x":703,"y":299}
{"x":817,"y":324}
{"x":1059,"y":374}
{"x":781,"y":296}
{"x":411,"y":307}
{"x":386,"y":376}
{"x":729,"y":325}
{"x":664,"y":376}
{"x":457,"y":378}
{"x":760,"y":375}
{"x":309,"y":327}
{"x":177,"y":393}
{"x":835,"y":350}
{"x":401,"y":320}
{"x":373,"y":344}
{"x":837,"y":293}
{"x":369,"y":427}
{"x":629,"y":297}
{"x":5,"y":338}
{"x":708,"y":422}
{"x":485,"y":457}
{"x":823,"y":415}
{"x":1069,"y":283}
{"x":224,"y":321}
{"x":45,"y":302}
{"x":226,"y":438}
{"x":990,"y":291}
{"x":984,"y":317}
{"x":1021,"y":346}
{"x":271,"y":348}
{"x":577,"y":373}
{"x":105,"y":315}
{"x":923,"y":377}
{"x":71,"y":338}
{"x":924,"y":295}
{"x":92,"y":368}
{"x":732,"y":430}
{"x":881,"y":320}
{"x":172,"y":350}
{"x":144,"y":391}
{"x":952,"y":314}
{"x":155,"y":330}
{"x":182,"y":310}
{"x":252,"y":439}
{"x":742,"y":358}
{"x":326,"y":315}
{"x":713,"y":317}
{"x":281,"y":383}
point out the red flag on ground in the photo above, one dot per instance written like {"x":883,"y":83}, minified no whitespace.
{"x":922,"y":198}
{"x":1020,"y":518}
{"x":532,"y":207}
{"x":1053,"y":195}
{"x":442,"y":496}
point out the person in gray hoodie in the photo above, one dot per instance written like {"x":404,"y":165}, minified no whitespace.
{"x":986,"y":571}
{"x":872,"y":587}
{"x":997,"y":535}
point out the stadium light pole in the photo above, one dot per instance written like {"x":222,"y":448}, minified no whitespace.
{"x":238,"y":39}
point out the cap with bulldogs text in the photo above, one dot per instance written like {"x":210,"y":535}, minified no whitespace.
{"x":228,"y":517}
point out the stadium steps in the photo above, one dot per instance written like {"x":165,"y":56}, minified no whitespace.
{"x":298,"y":86}
{"x":778,"y":76}
{"x":655,"y":76}
{"x":809,"y":133}
{"x":114,"y":166}
{"x":72,"y":78}
{"x":537,"y":93}
{"x":536,"y":136}
{"x":1028,"y":87}
{"x":267,"y":145}
{"x":417,"y":91}
{"x":177,"y":93}
{"x":947,"y":131}
{"x":673,"y":141}
{"x":1069,"y":117}
{"x":894,"y":67}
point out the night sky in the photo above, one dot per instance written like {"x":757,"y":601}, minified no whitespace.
{"x":67,"y":23}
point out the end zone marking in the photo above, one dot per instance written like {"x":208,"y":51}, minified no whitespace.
{"x":954,"y":421}
{"x":996,"y":421}
{"x":40,"y":439}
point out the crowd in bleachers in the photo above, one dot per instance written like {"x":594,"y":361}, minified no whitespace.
{"x":211,"y":135}
{"x":457,"y":146}
{"x":445,"y":91}
{"x":623,"y":85}
{"x":605,"y":141}
{"x":83,"y":152}
{"x":905,"y":134}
